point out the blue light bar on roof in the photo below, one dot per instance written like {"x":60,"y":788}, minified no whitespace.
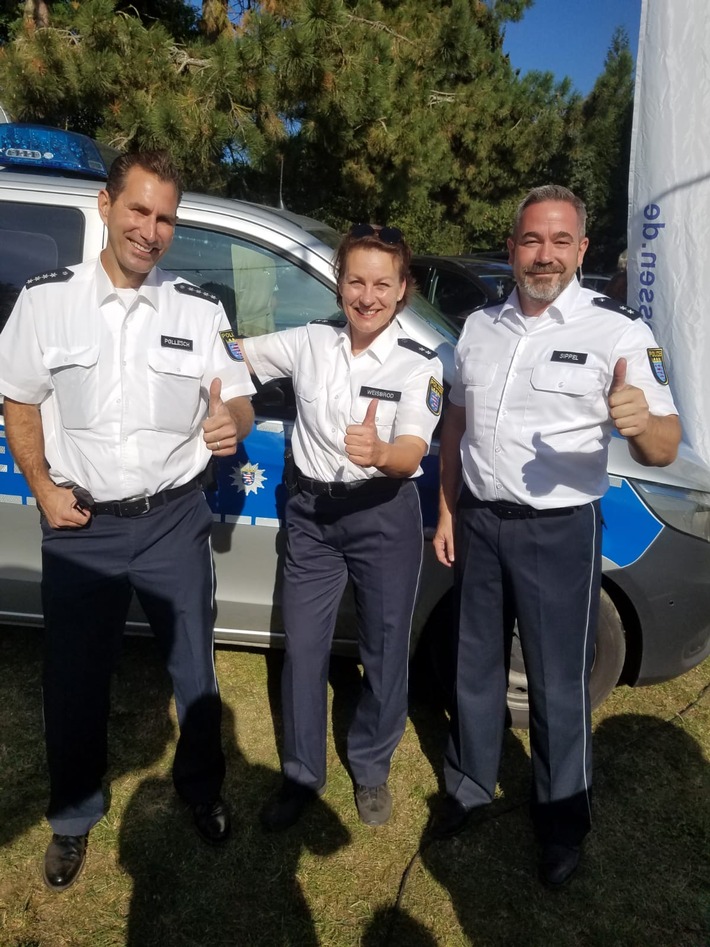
{"x":50,"y":149}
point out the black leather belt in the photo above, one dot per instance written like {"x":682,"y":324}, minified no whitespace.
{"x":513,"y":511}
{"x":137,"y":506}
{"x":343,"y":489}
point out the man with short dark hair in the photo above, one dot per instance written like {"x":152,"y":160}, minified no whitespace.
{"x":542,"y":382}
{"x":114,"y":374}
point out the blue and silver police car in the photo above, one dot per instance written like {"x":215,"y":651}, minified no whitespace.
{"x":271,"y":269}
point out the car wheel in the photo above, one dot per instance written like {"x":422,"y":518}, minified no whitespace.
{"x":609,"y":659}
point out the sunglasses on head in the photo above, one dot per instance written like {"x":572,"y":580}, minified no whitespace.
{"x":385,"y":234}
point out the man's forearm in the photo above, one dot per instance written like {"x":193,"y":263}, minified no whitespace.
{"x":450,"y":457}
{"x":23,"y":426}
{"x":658,"y":445}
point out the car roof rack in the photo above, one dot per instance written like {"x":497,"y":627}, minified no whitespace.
{"x":29,"y":147}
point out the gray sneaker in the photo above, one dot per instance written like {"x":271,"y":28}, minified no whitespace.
{"x":374,"y":804}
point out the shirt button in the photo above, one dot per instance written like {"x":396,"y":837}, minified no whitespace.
{"x":560,"y":384}
{"x":498,"y":450}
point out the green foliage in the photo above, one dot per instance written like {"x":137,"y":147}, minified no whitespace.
{"x":390,"y":110}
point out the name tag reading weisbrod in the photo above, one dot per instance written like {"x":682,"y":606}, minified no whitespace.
{"x":382,"y":394}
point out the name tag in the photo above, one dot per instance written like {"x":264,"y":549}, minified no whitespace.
{"x":577,"y":358}
{"x":171,"y":342}
{"x":382,"y":394}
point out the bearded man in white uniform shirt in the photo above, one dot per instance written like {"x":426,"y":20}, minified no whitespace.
{"x":118,"y":390}
{"x":542,"y":382}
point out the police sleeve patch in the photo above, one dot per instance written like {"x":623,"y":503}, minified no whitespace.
{"x":605,"y":302}
{"x":231,"y":345}
{"x":189,"y":289}
{"x":60,"y":275}
{"x":655,"y":357}
{"x":434,"y":396}
{"x":416,"y":347}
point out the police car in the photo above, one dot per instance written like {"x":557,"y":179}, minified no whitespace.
{"x":271,"y":269}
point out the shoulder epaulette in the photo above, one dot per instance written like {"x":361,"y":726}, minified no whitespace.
{"x":60,"y":275}
{"x":416,"y":347}
{"x":189,"y":289}
{"x":336,"y":323}
{"x":606,"y":302}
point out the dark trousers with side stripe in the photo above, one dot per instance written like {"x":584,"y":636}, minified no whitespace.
{"x":378,"y":544}
{"x":88,"y":576}
{"x":545,"y":572}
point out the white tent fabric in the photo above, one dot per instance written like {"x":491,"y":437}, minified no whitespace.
{"x":669,"y":200}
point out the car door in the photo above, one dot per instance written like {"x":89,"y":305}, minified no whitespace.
{"x":265,"y":284}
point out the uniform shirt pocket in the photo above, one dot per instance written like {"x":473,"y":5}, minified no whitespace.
{"x":174,"y":385}
{"x":385,"y":416}
{"x":75,"y":379}
{"x":308,"y":394}
{"x":477,"y":377}
{"x":564,"y":397}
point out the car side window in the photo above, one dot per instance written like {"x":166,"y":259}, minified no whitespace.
{"x":456,"y":295}
{"x":261,"y":290}
{"x":35,"y":238}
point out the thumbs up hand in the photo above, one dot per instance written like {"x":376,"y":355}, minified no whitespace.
{"x":219,"y":430}
{"x":362,"y":443}
{"x":628,"y":407}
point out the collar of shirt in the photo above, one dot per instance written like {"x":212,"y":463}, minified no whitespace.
{"x":147,"y":291}
{"x":559,"y":310}
{"x":380,"y":347}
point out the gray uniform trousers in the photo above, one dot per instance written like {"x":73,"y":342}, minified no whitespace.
{"x":546,"y":573}
{"x":88,"y":575}
{"x":377,"y":542}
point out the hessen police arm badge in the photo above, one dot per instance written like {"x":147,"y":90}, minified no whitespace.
{"x":658,"y":368}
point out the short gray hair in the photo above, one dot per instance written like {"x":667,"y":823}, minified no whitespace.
{"x":552,"y":192}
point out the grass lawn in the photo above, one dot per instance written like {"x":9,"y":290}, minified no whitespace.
{"x":149,"y":881}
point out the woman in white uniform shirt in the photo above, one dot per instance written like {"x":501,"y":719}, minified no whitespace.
{"x":368,"y":400}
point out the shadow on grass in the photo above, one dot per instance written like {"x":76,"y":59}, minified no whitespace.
{"x":23,"y":784}
{"x":245,"y":892}
{"x":141,"y":693}
{"x":644,"y":875}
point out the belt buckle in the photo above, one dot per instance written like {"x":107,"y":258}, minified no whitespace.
{"x":337,"y":490}
{"x":135,"y":505}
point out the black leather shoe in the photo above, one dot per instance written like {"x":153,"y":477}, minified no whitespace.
{"x":374,"y":804}
{"x":63,"y":861}
{"x":449,"y":818}
{"x":558,"y":863}
{"x":284,"y":809}
{"x":212,"y":821}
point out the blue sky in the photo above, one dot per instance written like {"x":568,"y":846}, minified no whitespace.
{"x":570,"y":37}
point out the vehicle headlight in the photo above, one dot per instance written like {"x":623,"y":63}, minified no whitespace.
{"x":682,"y":509}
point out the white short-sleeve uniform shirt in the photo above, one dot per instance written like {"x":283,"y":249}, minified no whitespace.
{"x":122,"y":376}
{"x":334,"y":388}
{"x":535,"y":391}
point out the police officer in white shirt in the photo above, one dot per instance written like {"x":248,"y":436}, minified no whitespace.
{"x":368,"y":400}
{"x":118,"y":390}
{"x":542,"y":382}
